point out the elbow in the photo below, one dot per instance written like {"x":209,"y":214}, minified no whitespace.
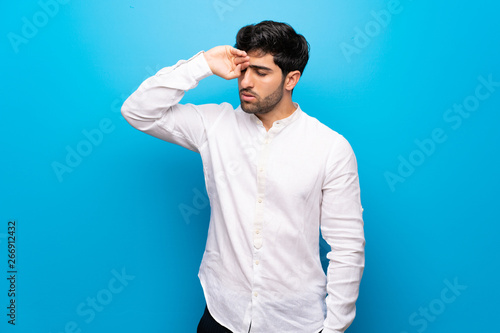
{"x":126,"y":110}
{"x":135,"y":115}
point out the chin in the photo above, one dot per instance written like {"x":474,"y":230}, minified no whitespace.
{"x":245,"y":107}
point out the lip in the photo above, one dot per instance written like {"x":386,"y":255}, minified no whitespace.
{"x":247,"y":97}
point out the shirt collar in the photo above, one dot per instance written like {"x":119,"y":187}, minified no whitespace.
{"x":291,"y":118}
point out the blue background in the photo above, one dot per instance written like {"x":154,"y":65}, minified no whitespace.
{"x":118,"y":209}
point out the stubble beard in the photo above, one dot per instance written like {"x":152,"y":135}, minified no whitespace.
{"x":263,"y":106}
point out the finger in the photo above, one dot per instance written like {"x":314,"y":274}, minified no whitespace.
{"x":238,"y":53}
{"x":241,"y":60}
{"x":244,"y":65}
{"x":237,"y":71}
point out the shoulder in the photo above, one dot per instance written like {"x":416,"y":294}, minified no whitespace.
{"x":337,"y":151}
{"x":333,"y":140}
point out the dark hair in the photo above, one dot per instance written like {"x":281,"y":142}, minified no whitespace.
{"x":289,"y":49}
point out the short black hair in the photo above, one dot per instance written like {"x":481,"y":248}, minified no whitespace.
{"x":290,"y":50}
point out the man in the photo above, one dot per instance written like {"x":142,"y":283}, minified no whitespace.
{"x":275,"y":176}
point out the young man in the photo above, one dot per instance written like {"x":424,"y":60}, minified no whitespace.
{"x":275,"y":176}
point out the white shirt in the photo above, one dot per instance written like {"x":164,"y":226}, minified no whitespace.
{"x":270,"y":193}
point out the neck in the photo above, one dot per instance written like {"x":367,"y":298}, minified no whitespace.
{"x":282,"y":110}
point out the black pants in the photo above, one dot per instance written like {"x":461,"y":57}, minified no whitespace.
{"x":209,"y":325}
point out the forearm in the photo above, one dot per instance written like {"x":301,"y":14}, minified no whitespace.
{"x":343,"y":279}
{"x":162,"y":91}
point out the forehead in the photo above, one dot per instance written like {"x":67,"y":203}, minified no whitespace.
{"x":262,"y":59}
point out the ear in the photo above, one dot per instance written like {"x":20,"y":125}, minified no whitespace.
{"x":291,"y":80}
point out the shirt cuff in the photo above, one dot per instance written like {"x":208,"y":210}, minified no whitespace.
{"x":198,"y":66}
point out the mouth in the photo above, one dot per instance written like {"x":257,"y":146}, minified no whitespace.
{"x":247,"y":97}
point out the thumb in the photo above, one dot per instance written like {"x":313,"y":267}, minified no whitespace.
{"x":237,"y":71}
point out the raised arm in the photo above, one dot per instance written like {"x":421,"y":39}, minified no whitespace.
{"x":154,"y":107}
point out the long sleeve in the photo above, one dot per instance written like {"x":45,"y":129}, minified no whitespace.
{"x":342,"y":229}
{"x":153,"y":108}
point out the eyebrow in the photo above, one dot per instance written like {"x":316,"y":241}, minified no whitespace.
{"x":260,"y":67}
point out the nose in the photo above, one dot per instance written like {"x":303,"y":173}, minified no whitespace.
{"x":246,"y":79}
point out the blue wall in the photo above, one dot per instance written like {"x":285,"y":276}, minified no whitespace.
{"x":98,"y":203}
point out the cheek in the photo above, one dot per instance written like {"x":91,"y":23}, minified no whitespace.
{"x":271,"y":85}
{"x":274,"y":81}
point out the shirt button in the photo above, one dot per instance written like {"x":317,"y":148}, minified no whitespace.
{"x":257,"y":231}
{"x":256,"y":262}
{"x":261,"y":169}
{"x":255,"y":294}
{"x":259,"y":200}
